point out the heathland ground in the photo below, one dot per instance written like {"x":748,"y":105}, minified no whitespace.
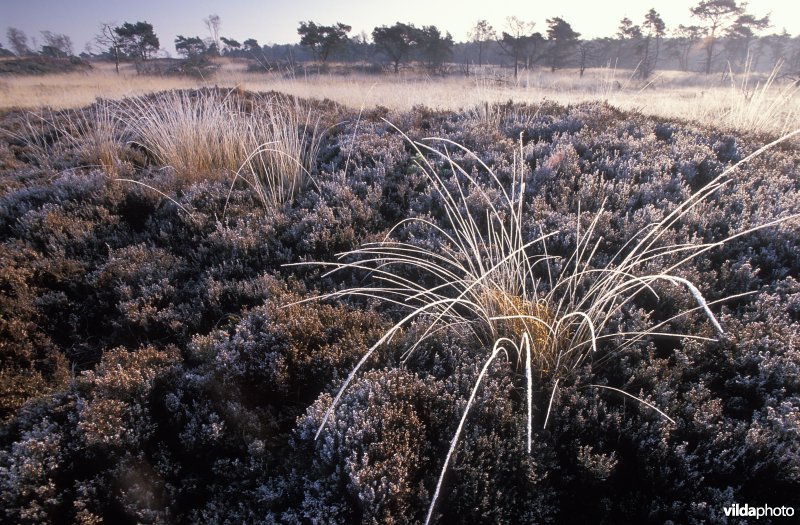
{"x":274,"y":297}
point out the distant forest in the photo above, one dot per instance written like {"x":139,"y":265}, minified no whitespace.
{"x":724,"y":37}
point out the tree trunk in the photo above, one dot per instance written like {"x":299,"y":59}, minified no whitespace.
{"x":710,"y":50}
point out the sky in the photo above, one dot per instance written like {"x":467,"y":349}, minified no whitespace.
{"x":276,"y":21}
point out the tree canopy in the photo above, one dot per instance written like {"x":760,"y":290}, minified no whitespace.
{"x":397,"y":42}
{"x":562,"y":39}
{"x":138,"y":41}
{"x":323,"y":40}
{"x":717,"y":16}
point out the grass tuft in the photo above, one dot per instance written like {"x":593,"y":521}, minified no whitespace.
{"x":271,"y":143}
{"x":489,"y":277}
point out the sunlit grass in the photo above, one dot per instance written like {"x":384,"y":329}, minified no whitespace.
{"x":706,"y":99}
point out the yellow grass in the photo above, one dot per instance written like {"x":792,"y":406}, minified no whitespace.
{"x":707,"y":99}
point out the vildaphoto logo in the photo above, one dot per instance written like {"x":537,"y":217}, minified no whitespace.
{"x":763,"y":511}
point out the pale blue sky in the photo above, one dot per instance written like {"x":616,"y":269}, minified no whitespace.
{"x":277,"y":21}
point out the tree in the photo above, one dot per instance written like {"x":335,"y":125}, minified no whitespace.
{"x":18,"y":41}
{"x":251,"y":45}
{"x":213,"y":24}
{"x":778,"y":44}
{"x":56,"y":45}
{"x":192,"y":48}
{"x":740,"y":36}
{"x":628,"y":30}
{"x":481,"y":34}
{"x":109,"y":41}
{"x":359,"y":47}
{"x":561,"y":38}
{"x":519,"y":41}
{"x":654,"y":29}
{"x":323,"y":40}
{"x":230,"y":44}
{"x":137,"y":41}
{"x":397,"y":42}
{"x":586,"y":51}
{"x":196,"y":52}
{"x":253,"y":49}
{"x":435,"y":48}
{"x":683,"y":40}
{"x":715,"y":16}
{"x":629,"y":37}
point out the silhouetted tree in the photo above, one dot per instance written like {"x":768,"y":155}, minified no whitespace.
{"x":231,"y":45}
{"x":191,"y":47}
{"x":716,"y":16}
{"x":397,"y":42}
{"x":653,"y":31}
{"x":740,"y":36}
{"x":629,"y":37}
{"x":519,"y":42}
{"x":323,"y":40}
{"x":434,"y":48}
{"x":251,"y":45}
{"x":138,"y":41}
{"x":561,"y":39}
{"x":586,"y":50}
{"x":778,"y":45}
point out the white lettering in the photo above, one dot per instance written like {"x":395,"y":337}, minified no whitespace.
{"x":743,"y":511}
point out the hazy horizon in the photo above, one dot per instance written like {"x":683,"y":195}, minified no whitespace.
{"x":277,"y":22}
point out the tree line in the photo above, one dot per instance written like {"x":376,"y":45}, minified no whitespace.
{"x":725,"y":35}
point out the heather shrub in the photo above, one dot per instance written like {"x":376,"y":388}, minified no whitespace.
{"x":162,"y":361}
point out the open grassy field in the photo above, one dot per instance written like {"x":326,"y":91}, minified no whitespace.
{"x":307,"y":298}
{"x":745,"y":102}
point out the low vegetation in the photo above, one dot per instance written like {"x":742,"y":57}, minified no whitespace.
{"x":166,"y":359}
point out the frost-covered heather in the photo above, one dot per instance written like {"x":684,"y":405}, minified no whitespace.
{"x":152,"y":373}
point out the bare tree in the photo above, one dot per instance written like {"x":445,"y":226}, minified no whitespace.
{"x":108,"y":41}
{"x":213,"y":23}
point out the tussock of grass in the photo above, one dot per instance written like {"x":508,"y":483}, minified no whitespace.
{"x":547,"y":312}
{"x":271,"y":144}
